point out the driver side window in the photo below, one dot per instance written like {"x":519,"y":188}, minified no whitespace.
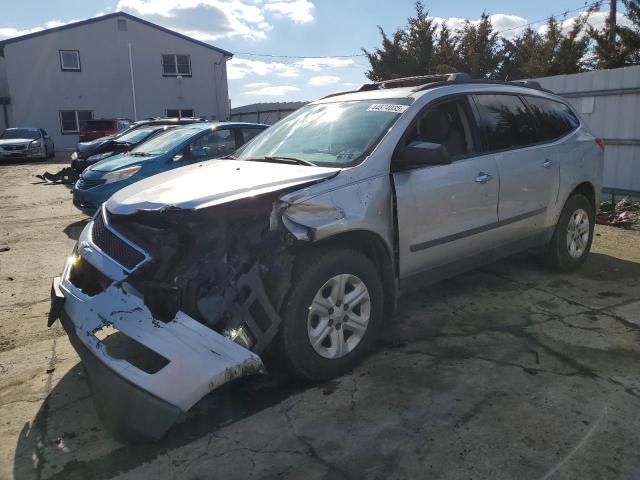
{"x":447,"y":123}
{"x":213,"y":145}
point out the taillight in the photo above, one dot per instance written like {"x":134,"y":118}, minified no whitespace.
{"x":600,"y":143}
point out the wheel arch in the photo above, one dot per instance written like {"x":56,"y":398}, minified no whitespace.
{"x":376,"y":250}
{"x":586,"y":189}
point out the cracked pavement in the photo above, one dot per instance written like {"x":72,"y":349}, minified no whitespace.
{"x":509,"y":371}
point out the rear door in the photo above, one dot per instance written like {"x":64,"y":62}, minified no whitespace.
{"x":529,"y":171}
{"x":446,"y":213}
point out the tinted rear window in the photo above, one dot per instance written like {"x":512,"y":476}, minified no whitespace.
{"x":97,"y":125}
{"x":556,"y":119}
{"x":507,"y":123}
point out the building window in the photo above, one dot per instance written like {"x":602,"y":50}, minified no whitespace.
{"x":70,"y":60}
{"x":180,"y":113}
{"x":122,"y":25}
{"x":174,"y":65}
{"x":71,"y":120}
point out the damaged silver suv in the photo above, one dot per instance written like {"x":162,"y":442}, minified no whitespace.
{"x":301,"y":243}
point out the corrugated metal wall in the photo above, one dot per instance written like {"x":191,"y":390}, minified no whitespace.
{"x":609,"y":101}
{"x":268,"y":117}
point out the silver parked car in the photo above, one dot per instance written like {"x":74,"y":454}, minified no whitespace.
{"x":26,"y":143}
{"x":302,"y":242}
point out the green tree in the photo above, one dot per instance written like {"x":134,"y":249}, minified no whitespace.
{"x":409,"y":52}
{"x":446,"y":58}
{"x":478,"y":48}
{"x":625,"y":49}
{"x":533,"y":54}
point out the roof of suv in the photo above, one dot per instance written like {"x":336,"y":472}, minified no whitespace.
{"x":415,"y":87}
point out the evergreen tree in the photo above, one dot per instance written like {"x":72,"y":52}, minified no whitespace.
{"x":478,"y":48}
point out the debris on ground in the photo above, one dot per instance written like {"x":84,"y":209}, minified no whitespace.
{"x":624,"y":214}
{"x":5,"y":249}
{"x":66,"y":175}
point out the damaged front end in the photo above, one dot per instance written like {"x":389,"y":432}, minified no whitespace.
{"x":166,"y":305}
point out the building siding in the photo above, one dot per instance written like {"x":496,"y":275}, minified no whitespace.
{"x":609,"y":102}
{"x":39,"y":89}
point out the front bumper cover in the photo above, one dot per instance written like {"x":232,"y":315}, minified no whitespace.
{"x":197,"y":359}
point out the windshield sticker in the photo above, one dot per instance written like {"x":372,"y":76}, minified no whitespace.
{"x":344,"y":157}
{"x":387,"y":107}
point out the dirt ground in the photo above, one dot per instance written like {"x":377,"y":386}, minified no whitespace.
{"x":510,"y":371}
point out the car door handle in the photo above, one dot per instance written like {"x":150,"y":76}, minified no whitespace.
{"x":547,"y":163}
{"x":483,"y":177}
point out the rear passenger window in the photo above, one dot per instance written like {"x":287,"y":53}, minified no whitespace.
{"x":556,"y":119}
{"x":506,"y":121}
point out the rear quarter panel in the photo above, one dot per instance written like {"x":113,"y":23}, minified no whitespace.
{"x":584,"y":164}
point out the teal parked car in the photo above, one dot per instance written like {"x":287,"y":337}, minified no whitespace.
{"x":172,"y":149}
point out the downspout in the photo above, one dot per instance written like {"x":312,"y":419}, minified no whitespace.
{"x":133,"y":85}
{"x":6,"y":115}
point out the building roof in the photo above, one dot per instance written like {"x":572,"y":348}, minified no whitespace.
{"x":267,"y":107}
{"x":107,"y":17}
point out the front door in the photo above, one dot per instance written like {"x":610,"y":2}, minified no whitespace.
{"x":446,"y":212}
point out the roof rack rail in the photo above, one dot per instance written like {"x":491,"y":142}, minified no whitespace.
{"x":417,"y":81}
{"x":528,"y":83}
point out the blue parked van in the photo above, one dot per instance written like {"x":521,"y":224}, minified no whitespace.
{"x":175,"y":148}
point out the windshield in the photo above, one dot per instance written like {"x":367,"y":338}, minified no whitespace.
{"x":164,"y":142}
{"x":136,"y":136}
{"x":330,"y":134}
{"x":31,"y":133}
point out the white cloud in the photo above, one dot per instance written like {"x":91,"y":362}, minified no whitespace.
{"x":318,"y":64}
{"x":597,"y":20}
{"x":209,"y":20}
{"x":323,"y":80}
{"x":273,"y":90}
{"x":257,"y":85}
{"x":238,"y":68}
{"x":300,"y":11}
{"x":509,"y":25}
{"x":10,"y":32}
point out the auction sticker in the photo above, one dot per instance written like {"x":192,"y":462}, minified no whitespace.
{"x":387,"y":107}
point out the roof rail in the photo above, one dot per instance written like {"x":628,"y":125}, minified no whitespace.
{"x":417,"y":81}
{"x":527,"y":83}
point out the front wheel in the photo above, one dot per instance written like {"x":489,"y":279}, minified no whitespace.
{"x":571,"y":241}
{"x":332,"y":314}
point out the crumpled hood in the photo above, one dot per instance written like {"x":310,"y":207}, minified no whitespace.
{"x":92,"y":145}
{"x":211,"y":183}
{"x":15,"y":141}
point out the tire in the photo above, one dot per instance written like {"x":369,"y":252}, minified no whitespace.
{"x":52,"y":154}
{"x":568,"y":248}
{"x":325,"y":272}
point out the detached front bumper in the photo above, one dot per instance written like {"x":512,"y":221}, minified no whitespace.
{"x":144,"y":373}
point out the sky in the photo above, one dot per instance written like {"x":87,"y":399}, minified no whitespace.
{"x":259,"y":32}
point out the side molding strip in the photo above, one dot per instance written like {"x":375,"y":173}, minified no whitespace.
{"x":474,"y":231}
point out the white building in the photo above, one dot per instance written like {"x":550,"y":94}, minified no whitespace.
{"x":113,"y":66}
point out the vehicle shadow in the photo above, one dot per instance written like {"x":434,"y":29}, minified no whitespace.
{"x":66,"y":439}
{"x":68,"y":423}
{"x":73,"y":230}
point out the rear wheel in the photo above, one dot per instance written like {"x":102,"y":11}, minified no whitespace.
{"x":332,"y":314}
{"x":571,"y":241}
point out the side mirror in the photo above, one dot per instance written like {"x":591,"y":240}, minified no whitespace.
{"x":425,"y":153}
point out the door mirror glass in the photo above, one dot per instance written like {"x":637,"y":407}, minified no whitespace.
{"x":425,"y":153}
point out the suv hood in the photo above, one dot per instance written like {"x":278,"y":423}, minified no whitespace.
{"x":211,"y":183}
